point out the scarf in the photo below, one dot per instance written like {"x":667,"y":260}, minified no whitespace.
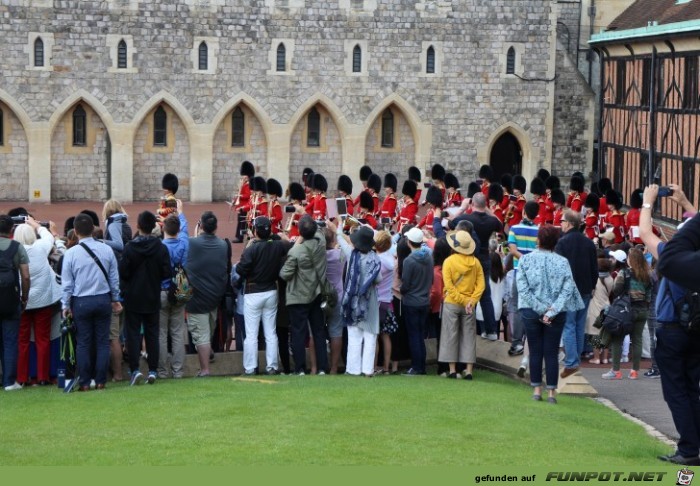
{"x":362,"y":272}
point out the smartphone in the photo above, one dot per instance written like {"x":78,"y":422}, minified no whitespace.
{"x":289,"y":209}
{"x":386,"y":220}
{"x":342,"y":205}
{"x":427,"y":184}
{"x":665,"y":191}
{"x":513,"y":197}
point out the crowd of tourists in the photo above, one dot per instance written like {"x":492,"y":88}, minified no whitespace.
{"x":361,"y":283}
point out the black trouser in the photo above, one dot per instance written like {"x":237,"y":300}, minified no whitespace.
{"x":300,"y":317}
{"x":242,"y":226}
{"x":151,"y":323}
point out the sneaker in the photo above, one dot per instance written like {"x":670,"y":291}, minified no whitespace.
{"x":411,"y":372}
{"x":13,"y":387}
{"x":633,"y":375}
{"x":625,"y":359}
{"x":521,"y":371}
{"x":652,"y":373}
{"x":677,"y":458}
{"x":299,"y":373}
{"x":452,"y":375}
{"x":151,"y":378}
{"x":271,"y":372}
{"x":323,"y":373}
{"x":92,"y":384}
{"x":492,"y":337}
{"x":483,"y":335}
{"x":136,"y":378}
{"x":516,"y":350}
{"x":612,"y":375}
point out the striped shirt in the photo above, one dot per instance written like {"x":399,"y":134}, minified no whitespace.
{"x":524,"y":237}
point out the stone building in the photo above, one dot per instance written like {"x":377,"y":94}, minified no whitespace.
{"x":99,"y":98}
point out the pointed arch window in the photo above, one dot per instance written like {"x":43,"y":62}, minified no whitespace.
{"x":121,"y":55}
{"x":281,"y":58}
{"x":160,"y":127}
{"x":510,"y":61}
{"x":79,"y":127}
{"x":430,"y":61}
{"x":38,"y":52}
{"x":387,"y":128}
{"x":203,"y":56}
{"x":313,"y":130}
{"x":2,"y":128}
{"x":357,"y":59}
{"x":238,"y":128}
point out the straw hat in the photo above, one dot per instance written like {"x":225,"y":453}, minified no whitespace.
{"x":461,"y":242}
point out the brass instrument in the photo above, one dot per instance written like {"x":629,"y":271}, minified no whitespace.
{"x":237,"y":201}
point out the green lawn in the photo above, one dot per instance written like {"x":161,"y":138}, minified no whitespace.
{"x":292,"y":420}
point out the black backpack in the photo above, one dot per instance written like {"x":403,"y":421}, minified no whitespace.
{"x":618,"y":318}
{"x":9,"y":281}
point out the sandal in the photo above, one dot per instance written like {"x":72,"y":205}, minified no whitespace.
{"x":594,"y":361}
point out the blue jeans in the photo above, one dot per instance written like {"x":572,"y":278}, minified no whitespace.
{"x":485,"y":301}
{"x":544,"y":345}
{"x":92,"y":316}
{"x":678,"y":357}
{"x":575,"y":334}
{"x":415,"y":319}
{"x":9,"y":351}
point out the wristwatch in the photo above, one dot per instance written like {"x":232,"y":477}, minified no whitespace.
{"x":646,"y":206}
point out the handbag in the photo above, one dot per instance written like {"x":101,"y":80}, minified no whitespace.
{"x":390,"y":325}
{"x":618,"y":318}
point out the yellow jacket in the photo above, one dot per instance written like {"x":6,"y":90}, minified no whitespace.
{"x":463,"y":278}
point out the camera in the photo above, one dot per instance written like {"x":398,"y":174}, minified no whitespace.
{"x":665,"y":191}
{"x":320,"y":223}
{"x":17,"y":220}
{"x":289,"y":209}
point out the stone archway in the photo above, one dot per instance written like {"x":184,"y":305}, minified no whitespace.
{"x":398,"y":153}
{"x":14,"y":156}
{"x":506,"y":156}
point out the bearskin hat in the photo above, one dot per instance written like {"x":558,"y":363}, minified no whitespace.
{"x":345,"y":184}
{"x":365,"y":172}
{"x":296,"y":191}
{"x":543,"y":174}
{"x":486,"y":172}
{"x":306,"y":172}
{"x":507,"y":182}
{"x":552,"y":183}
{"x":472,"y":189}
{"x":437,"y":172}
{"x":320,"y":183}
{"x":434,"y":196}
{"x":414,"y":174}
{"x":309,"y":179}
{"x":410,"y":188}
{"x":636,"y":199}
{"x":538,"y":187}
{"x":593,"y":202}
{"x":451,"y":181}
{"x":613,"y":199}
{"x":579,"y":174}
{"x":520,"y":183}
{"x":170,"y":183}
{"x":258,"y":184}
{"x":496,"y":192}
{"x":247,"y":169}
{"x":366,"y":201}
{"x":558,"y":196}
{"x":595,"y":190}
{"x":391,"y":181}
{"x":604,"y":185}
{"x":576,"y":183}
{"x":274,"y":187}
{"x":374,"y":183}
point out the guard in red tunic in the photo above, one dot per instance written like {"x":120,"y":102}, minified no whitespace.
{"x":592,"y":205}
{"x":307,"y":177}
{"x":473,"y":188}
{"x":168,"y":202}
{"x":486,"y":176}
{"x":559,"y":201}
{"x":241,"y":204}
{"x":296,"y":199}
{"x":507,"y":183}
{"x":433,"y":199}
{"x":409,"y":207}
{"x":551,"y":184}
{"x":604,"y":185}
{"x":320,"y":186}
{"x":577,"y":196}
{"x":632,"y":218}
{"x":415,"y":176}
{"x":453,"y":198}
{"x":437,"y":173}
{"x":390,"y":202}
{"x":616,"y":217}
{"x":494,"y":200}
{"x":539,"y":190}
{"x":274,"y":208}
{"x":258,"y":207}
{"x":345,"y":191}
{"x":365,"y":172}
{"x":374,"y":187}
{"x":515,"y":210}
{"x":365,"y":215}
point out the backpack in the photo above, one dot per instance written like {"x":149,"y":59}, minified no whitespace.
{"x":127,"y":234}
{"x":687,"y":308}
{"x":180,"y":290}
{"x":618,"y":318}
{"x":9,"y":281}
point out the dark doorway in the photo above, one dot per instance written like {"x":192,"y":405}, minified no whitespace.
{"x":506,"y":156}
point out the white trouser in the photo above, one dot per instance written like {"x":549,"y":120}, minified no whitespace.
{"x":361,"y":347}
{"x":256,"y":306}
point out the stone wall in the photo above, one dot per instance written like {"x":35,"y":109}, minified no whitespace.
{"x":397,"y":159}
{"x":14,"y":172}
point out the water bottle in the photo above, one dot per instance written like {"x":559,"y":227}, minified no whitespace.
{"x":61,"y":381}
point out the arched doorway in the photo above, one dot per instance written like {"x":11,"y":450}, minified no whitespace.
{"x":506,"y":156}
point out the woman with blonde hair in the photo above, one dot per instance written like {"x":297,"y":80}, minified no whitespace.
{"x":117,"y":231}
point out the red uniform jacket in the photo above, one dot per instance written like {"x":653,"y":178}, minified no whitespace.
{"x":319,"y":211}
{"x":485,"y":188}
{"x":389,"y":207}
{"x":356,"y":202}
{"x":603,"y":210}
{"x":275,"y":215}
{"x":427,"y":220}
{"x":505,"y":202}
{"x":592,"y":230}
{"x":310,"y":203}
{"x":558,"y":214}
{"x":367,"y":218}
{"x":375,"y":198}
{"x":408,"y":214}
{"x":454,"y":200}
{"x":417,"y":198}
{"x":294,"y":230}
{"x":243,"y":198}
{"x":616,"y":219}
{"x":516,"y":211}
{"x":257,"y":208}
{"x":576,"y":200}
{"x":543,"y":213}
{"x":631,"y":220}
{"x":349,"y":204}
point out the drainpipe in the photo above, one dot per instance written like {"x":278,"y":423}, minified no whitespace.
{"x":591,"y":17}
